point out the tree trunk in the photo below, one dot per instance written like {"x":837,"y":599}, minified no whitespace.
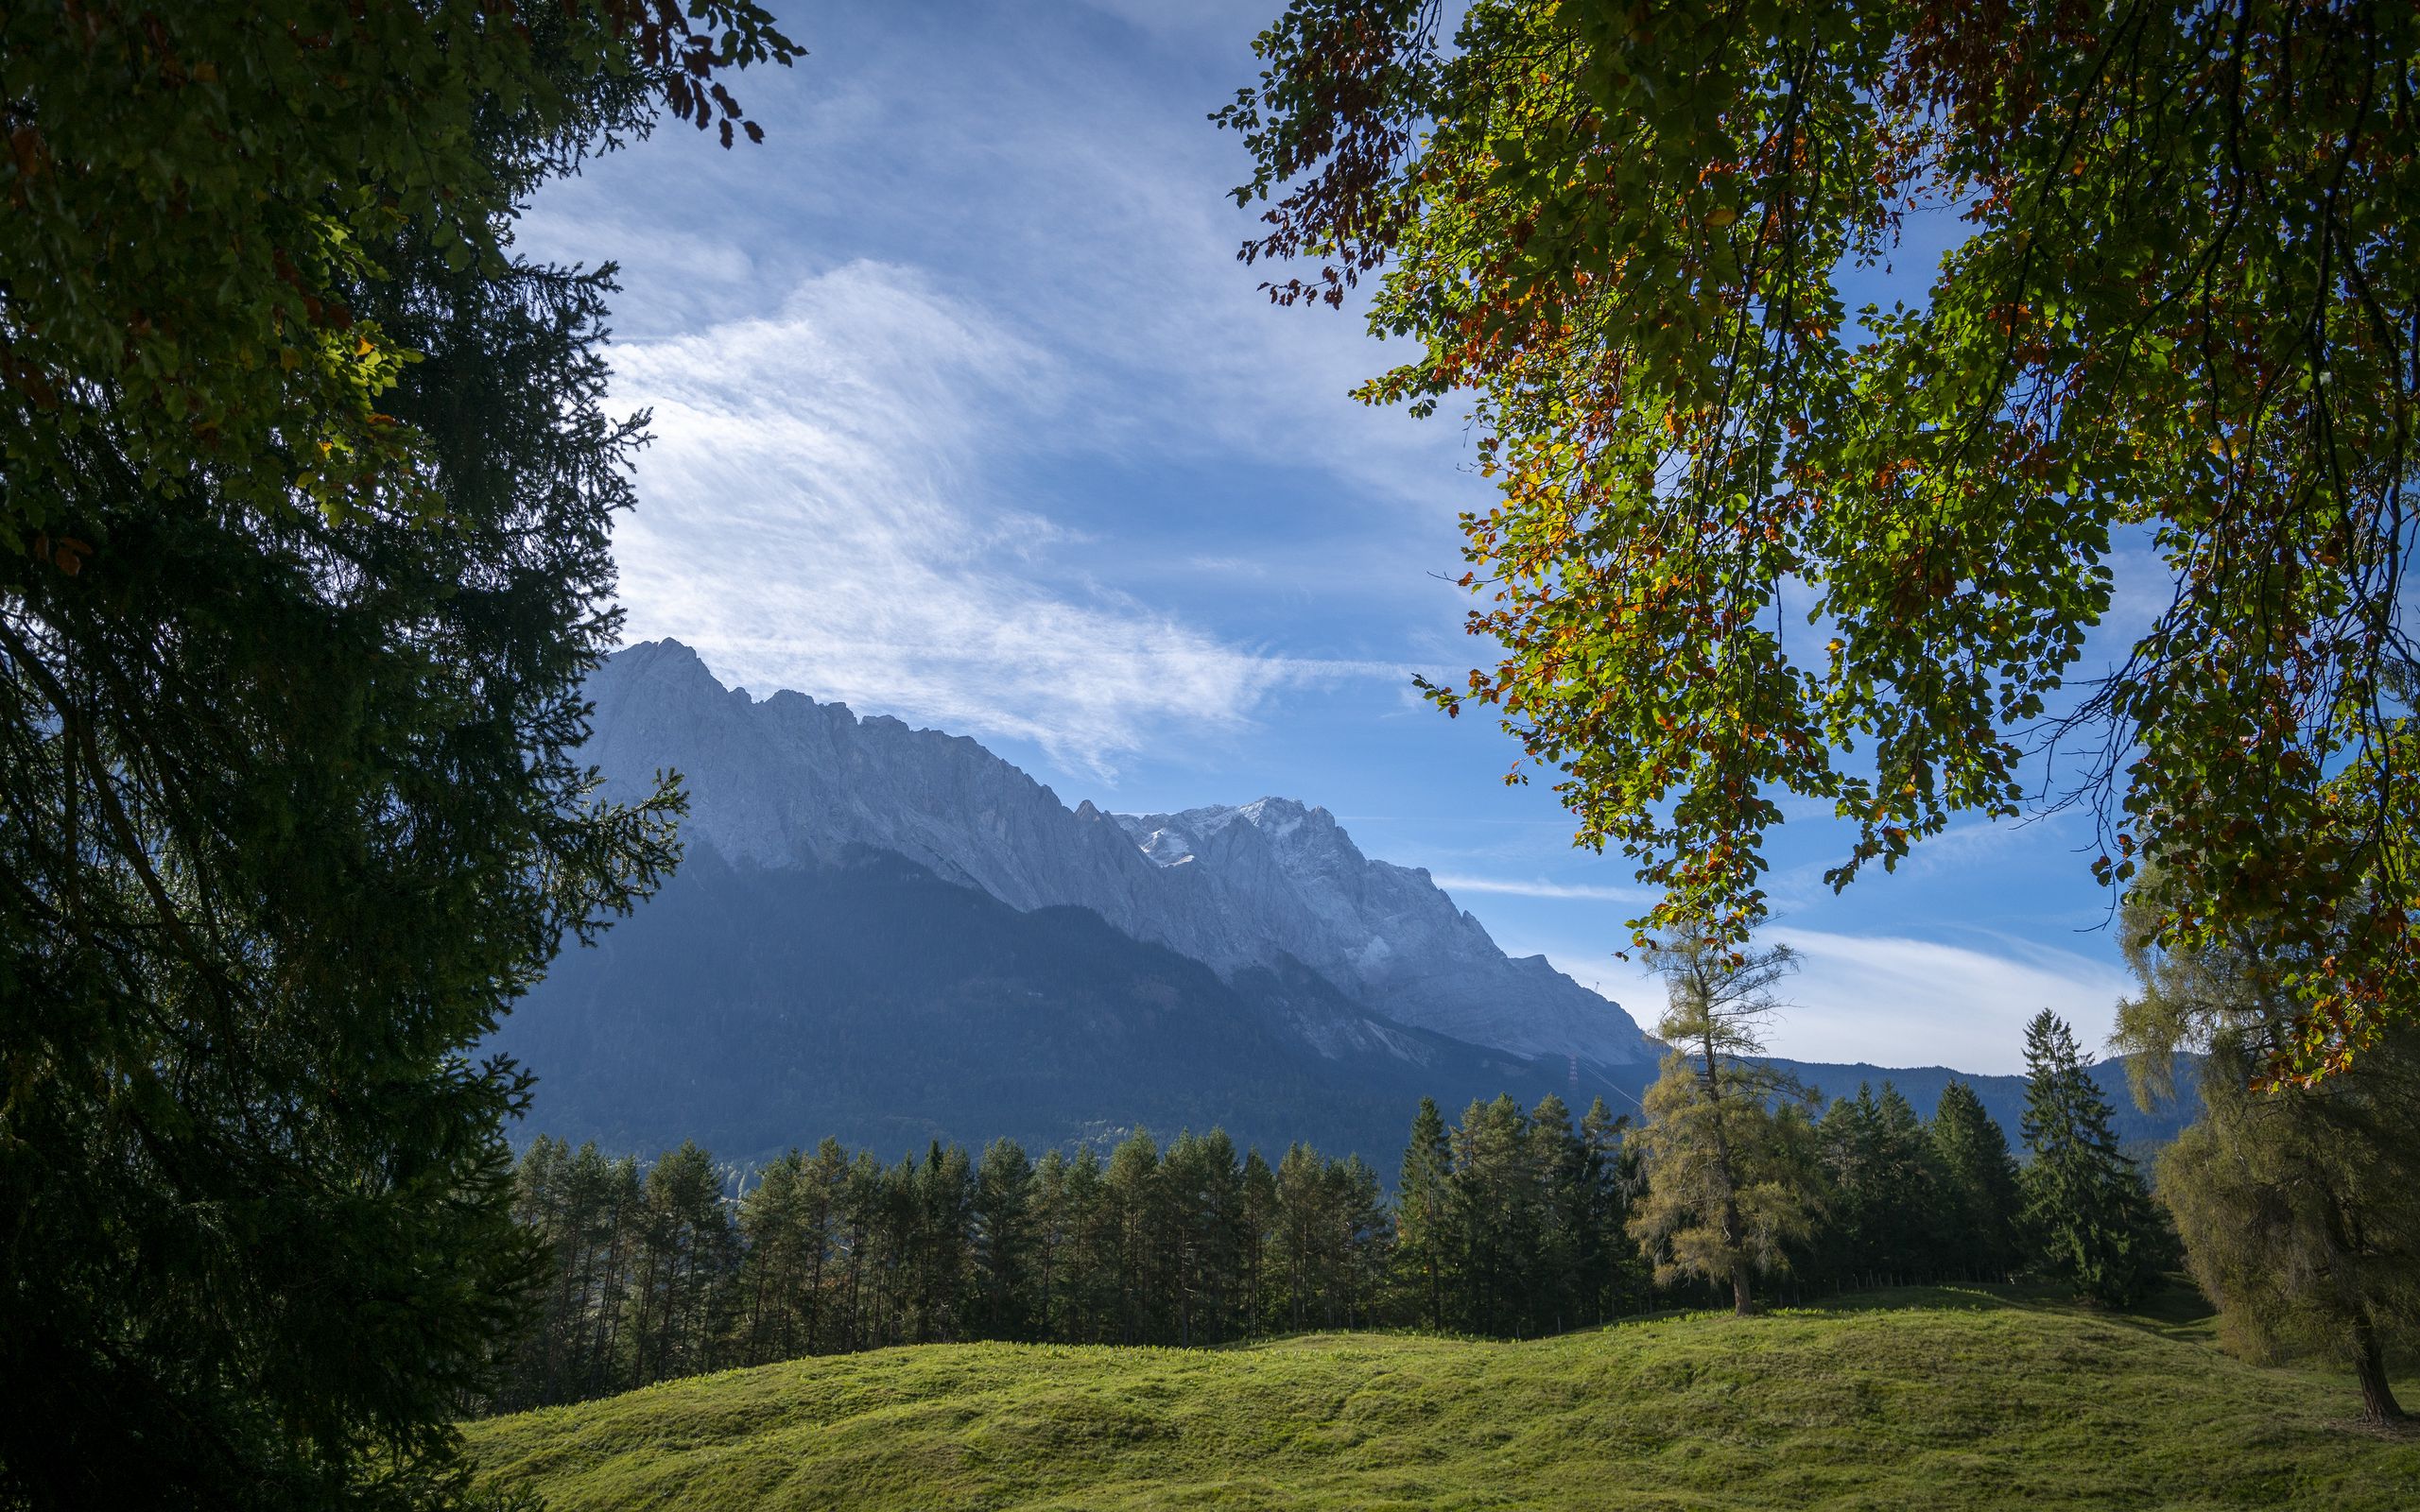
{"x":1739,"y":1299}
{"x":2369,"y":1364}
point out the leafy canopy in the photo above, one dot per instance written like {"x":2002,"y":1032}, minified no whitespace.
{"x":2183,"y":318}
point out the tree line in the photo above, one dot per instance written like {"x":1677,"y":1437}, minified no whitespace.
{"x":1511,"y":1223}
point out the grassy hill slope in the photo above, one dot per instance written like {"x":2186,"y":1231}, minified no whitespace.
{"x":1933,"y":1399}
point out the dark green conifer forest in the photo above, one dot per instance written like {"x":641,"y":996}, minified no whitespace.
{"x":1509,"y":1222}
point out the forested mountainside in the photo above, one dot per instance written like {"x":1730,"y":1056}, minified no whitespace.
{"x":754,"y":1008}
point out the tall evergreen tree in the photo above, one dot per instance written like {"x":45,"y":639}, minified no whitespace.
{"x":1005,"y":1191}
{"x":1913,"y":1231}
{"x":1847,"y":1140}
{"x":1497,"y":1203}
{"x":304,"y":522}
{"x":779,"y":1251}
{"x":1137,"y":1212}
{"x":1623,"y":1276}
{"x":2086,"y":1212}
{"x":1980,"y":1193}
{"x":683,"y":1295}
{"x":1566,"y":1209}
{"x":1304,"y":1241}
{"x":1427,"y":1241}
{"x":1262,"y":1276}
{"x":1364,"y":1241}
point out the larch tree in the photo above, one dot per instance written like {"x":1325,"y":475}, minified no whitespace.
{"x":1751,"y":543}
{"x":2299,"y":1208}
{"x":1729,"y":1180}
{"x":305,"y":488}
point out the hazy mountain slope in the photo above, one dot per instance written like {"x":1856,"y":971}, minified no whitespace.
{"x":752,"y":1008}
{"x":2003,"y":1098}
{"x":789,"y":781}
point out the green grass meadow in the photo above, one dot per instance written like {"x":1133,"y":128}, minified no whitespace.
{"x":1935,"y":1398}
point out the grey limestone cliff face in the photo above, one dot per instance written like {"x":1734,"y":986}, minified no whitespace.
{"x":1386,"y":934}
{"x":789,"y":781}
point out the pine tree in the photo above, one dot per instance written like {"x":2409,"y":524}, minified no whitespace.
{"x":943,"y":1238}
{"x":1622,"y":1279}
{"x":1496,"y":1212}
{"x":304,"y":551}
{"x":1566,"y":1209}
{"x":1845,"y":1140}
{"x":1913,"y":1233}
{"x":775,"y":1265}
{"x":823,"y":1183}
{"x":682,"y":1293}
{"x":1096,"y":1254}
{"x":1261,"y":1277}
{"x":1364,"y":1241}
{"x":2086,"y":1212}
{"x":1304,"y":1240}
{"x":1204,"y":1204}
{"x":1138,"y":1206}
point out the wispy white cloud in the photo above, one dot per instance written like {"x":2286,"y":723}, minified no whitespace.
{"x":1894,"y":1001}
{"x":1539,"y":887}
{"x":815,"y":514}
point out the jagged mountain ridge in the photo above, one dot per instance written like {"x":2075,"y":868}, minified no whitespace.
{"x":790,"y":782}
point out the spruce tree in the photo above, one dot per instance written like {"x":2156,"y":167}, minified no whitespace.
{"x":1260,"y":1279}
{"x":686,"y":1262}
{"x":1915,"y":1231}
{"x":1497,"y":1205}
{"x":1004,"y":1188}
{"x":1980,"y":1188}
{"x":2086,"y":1213}
{"x":306,"y":482}
{"x":1426,"y":1241}
{"x":774,"y":1266}
{"x":1565,"y":1211}
{"x":1622,"y":1277}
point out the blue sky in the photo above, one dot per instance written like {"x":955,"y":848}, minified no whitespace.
{"x":966,"y":413}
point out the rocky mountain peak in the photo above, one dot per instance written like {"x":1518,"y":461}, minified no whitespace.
{"x":791,"y":783}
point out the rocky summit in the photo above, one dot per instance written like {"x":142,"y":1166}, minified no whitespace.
{"x":788,"y":782}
